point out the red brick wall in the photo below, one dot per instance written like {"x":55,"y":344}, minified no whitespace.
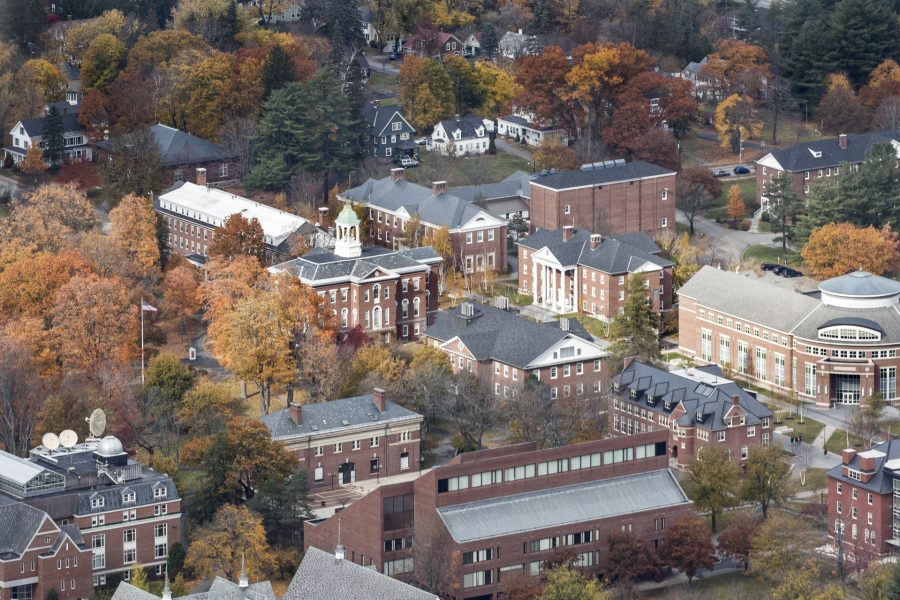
{"x":189,"y":172}
{"x":881,"y":509}
{"x":73,"y":565}
{"x":463,"y":249}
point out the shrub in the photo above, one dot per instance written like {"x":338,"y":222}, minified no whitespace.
{"x":745,"y":225}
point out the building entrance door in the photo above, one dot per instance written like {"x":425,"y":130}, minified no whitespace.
{"x":347,"y":472}
{"x":847,"y":389}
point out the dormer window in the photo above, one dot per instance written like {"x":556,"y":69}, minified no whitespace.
{"x":634,"y":393}
{"x":128,"y":497}
{"x":97,"y":502}
{"x":815,"y":153}
{"x":160,"y":492}
{"x":668,"y":405}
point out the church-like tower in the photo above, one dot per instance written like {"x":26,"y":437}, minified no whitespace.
{"x":347,"y":229}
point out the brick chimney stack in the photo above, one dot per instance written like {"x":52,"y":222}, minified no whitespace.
{"x":201,"y":176}
{"x":398,"y":174}
{"x":438,"y":188}
{"x":596,"y":240}
{"x":842,"y":141}
{"x":323,"y":217}
{"x":296,"y":412}
{"x":568,"y":230}
{"x":378,"y":399}
{"x":735,"y":400}
{"x":847,"y":456}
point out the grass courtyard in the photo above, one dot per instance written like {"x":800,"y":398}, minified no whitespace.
{"x":475,"y":170}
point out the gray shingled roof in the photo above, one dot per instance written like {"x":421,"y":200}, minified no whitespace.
{"x":180,"y":148}
{"x":558,"y":507}
{"x":515,"y":185}
{"x":466,"y":124}
{"x":881,"y":482}
{"x":219,"y":589}
{"x":112,"y":496}
{"x":746,"y":298}
{"x":613,"y":255}
{"x":18,"y":525}
{"x":861,"y":284}
{"x":501,"y":335}
{"x":443,"y":210}
{"x":601,"y":176}
{"x":335,"y":415}
{"x":379,"y":117}
{"x":322,"y":577}
{"x":800,"y":157}
{"x":35,"y":127}
{"x":321,"y":264}
{"x":697,"y":395}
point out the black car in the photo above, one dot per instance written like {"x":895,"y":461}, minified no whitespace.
{"x":741,"y":170}
{"x":769,"y":266}
{"x":789,"y":272}
{"x":721,"y":173}
{"x":394,"y":56}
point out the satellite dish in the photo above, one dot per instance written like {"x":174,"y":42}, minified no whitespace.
{"x":50,"y":441}
{"x":68,"y":438}
{"x":97,"y":422}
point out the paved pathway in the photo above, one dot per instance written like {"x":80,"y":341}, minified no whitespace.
{"x":10,"y":186}
{"x":728,"y":243}
{"x":514,"y":149}
{"x":754,"y":222}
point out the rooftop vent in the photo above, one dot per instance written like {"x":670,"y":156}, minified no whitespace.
{"x":467,"y":309}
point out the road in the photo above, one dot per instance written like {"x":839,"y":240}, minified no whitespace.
{"x":514,"y":149}
{"x":10,"y":186}
{"x":729,"y":244}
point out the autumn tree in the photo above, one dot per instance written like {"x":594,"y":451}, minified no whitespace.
{"x":696,"y":190}
{"x":94,"y":325}
{"x":436,"y":569}
{"x":713,"y":481}
{"x":736,"y":207}
{"x":49,"y":217}
{"x":839,"y":248}
{"x":426,"y":92}
{"x":139,"y":577}
{"x":553,"y":155}
{"x":783,"y":544}
{"x":839,"y":110}
{"x":181,"y":294}
{"x":239,"y":236}
{"x":766,"y":478}
{"x":649,"y":104}
{"x":104,"y":58}
{"x":427,"y":377}
{"x":568,"y":583}
{"x":133,"y":228}
{"x":628,"y":559}
{"x":634,"y":332}
{"x":79,"y":37}
{"x":135,"y":164}
{"x":541,"y":86}
{"x":688,"y":546}
{"x":497,"y":89}
{"x":37,"y":82}
{"x":33,"y":164}
{"x":735,"y":121}
{"x":234,"y":536}
{"x":737,"y":67}
{"x":737,"y":539}
{"x":207,"y":408}
{"x":29,"y":285}
{"x":473,"y":409}
{"x":83,"y":174}
{"x":227,"y":282}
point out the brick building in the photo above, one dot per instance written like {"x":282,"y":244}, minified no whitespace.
{"x":864,"y":502}
{"x":698,"y":407}
{"x":834,"y":345}
{"x":572,"y":270}
{"x":36,"y":554}
{"x":342,"y":441}
{"x":478,"y":238}
{"x":503,"y":349}
{"x":194,"y":211}
{"x":506,"y":510}
{"x":391,"y":294}
{"x":608,"y":198}
{"x":126,"y":514}
{"x":818,"y":160}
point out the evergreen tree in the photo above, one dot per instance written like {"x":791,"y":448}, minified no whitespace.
{"x":546,"y":16}
{"x":354,"y":88}
{"x":344,"y":26}
{"x":52,"y":594}
{"x":804,"y":67}
{"x":283,"y":506}
{"x":175,"y":561}
{"x":135,"y":164}
{"x":22,"y":21}
{"x":278,"y":70}
{"x":489,"y":41}
{"x":231,"y":26}
{"x":634,"y":332}
{"x":53,"y":136}
{"x":893,"y":590}
{"x":784,"y":205}
{"x":862,"y":34}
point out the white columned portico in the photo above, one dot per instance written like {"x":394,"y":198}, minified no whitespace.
{"x":534,"y":282}
{"x":561,"y":304}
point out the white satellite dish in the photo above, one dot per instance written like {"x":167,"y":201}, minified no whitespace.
{"x":50,"y":441}
{"x":97,"y":422}
{"x":68,"y":438}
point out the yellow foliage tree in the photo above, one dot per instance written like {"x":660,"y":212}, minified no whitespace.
{"x":49,"y":217}
{"x":449,"y":18}
{"x":37,"y":82}
{"x":233,"y":533}
{"x":78,"y":38}
{"x":887,"y":71}
{"x":133,"y":227}
{"x":736,"y":206}
{"x":28,"y":286}
{"x":34,"y":161}
{"x":181,"y":294}
{"x":499,"y":88}
{"x":735,"y":121}
{"x":839,"y":248}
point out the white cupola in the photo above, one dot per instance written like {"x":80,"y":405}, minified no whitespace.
{"x":347,"y":229}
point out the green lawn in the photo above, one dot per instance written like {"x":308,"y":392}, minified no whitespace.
{"x":816,"y":480}
{"x":384,"y":82}
{"x":475,"y":170}
{"x":838,"y":442}
{"x":763,"y":254}
{"x":791,"y":128}
{"x":719,"y":209}
{"x":808,"y":430}
{"x":722,"y":587}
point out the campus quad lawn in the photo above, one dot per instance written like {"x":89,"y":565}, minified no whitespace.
{"x":771,"y":254}
{"x":838,"y":442}
{"x":721,"y":587}
{"x":485,"y":168}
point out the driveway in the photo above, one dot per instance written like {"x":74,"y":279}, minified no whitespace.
{"x":729,"y":244}
{"x":10,"y":186}
{"x":514,"y":149}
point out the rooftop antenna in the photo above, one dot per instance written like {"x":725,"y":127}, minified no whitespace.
{"x":339,"y":551}
{"x":68,"y":439}
{"x":97,"y":423}
{"x":50,"y":441}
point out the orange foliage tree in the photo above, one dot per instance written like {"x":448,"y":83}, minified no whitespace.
{"x":239,"y":236}
{"x":541,"y":81}
{"x":28,"y":287}
{"x":839,"y":248}
{"x":133,"y":227}
{"x":737,"y":67}
{"x":736,"y":206}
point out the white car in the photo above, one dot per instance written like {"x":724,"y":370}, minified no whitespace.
{"x":407,"y":161}
{"x":422,"y":141}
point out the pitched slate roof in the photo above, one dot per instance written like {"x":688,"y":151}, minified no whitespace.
{"x":219,"y":589}
{"x":335,"y":415}
{"x":502,"y":335}
{"x":379,"y":117}
{"x":613,"y":255}
{"x":704,"y":392}
{"x":466,"y":124}
{"x":180,"y":148}
{"x":558,"y":507}
{"x":601,"y":176}
{"x":323,"y":577}
{"x":882,"y":481}
{"x":112,"y":496}
{"x":800,"y":157}
{"x":443,"y":210}
{"x":514,"y":185}
{"x":34,"y":127}
{"x":18,"y":525}
{"x":321,"y":264}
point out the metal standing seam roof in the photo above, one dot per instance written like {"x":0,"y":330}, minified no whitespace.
{"x":18,"y":470}
{"x":561,"y":506}
{"x":860,"y":284}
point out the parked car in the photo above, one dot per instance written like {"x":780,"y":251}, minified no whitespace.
{"x":721,"y":173}
{"x":422,"y":141}
{"x":741,"y":170}
{"x":394,"y":56}
{"x":407,"y":161}
{"x":789,"y":272}
{"x":769,"y":266}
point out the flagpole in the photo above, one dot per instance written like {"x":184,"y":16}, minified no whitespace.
{"x":142,"y":339}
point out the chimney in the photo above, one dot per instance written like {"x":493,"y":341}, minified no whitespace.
{"x":339,"y":549}
{"x":398,"y":174}
{"x":596,"y":239}
{"x":568,"y":230}
{"x":438,"y":187}
{"x":735,"y":400}
{"x":457,"y":117}
{"x":564,"y":323}
{"x":376,"y":103}
{"x":323,"y":217}
{"x":847,"y":456}
{"x":201,"y":176}
{"x":842,"y":141}
{"x":296,"y":412}
{"x":378,"y":399}
{"x":866,"y":463}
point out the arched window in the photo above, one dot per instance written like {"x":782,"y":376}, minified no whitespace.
{"x":416,"y":307}
{"x":376,"y":291}
{"x":344,"y":318}
{"x":405,"y":308}
{"x":376,"y":318}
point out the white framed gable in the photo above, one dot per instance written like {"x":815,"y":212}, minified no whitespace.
{"x":457,"y":346}
{"x":770,"y":161}
{"x":546,"y":257}
{"x":567,"y":350}
{"x":647,"y":267}
{"x":481,"y":220}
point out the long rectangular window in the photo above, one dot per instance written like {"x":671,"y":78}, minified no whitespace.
{"x":706,"y":344}
{"x":398,"y":512}
{"x":809,"y":386}
{"x":779,"y":369}
{"x":888,"y":385}
{"x":724,"y":350}
{"x":743,"y":358}
{"x":760,"y":363}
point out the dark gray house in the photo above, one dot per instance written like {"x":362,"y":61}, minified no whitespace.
{"x":389,"y":131}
